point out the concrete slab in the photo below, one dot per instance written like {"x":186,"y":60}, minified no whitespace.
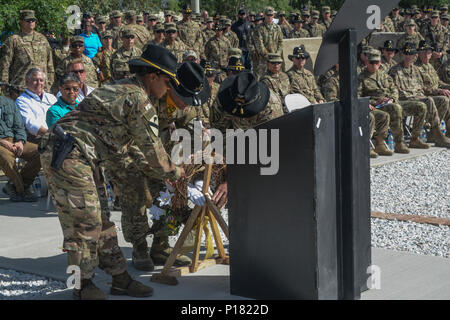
{"x":31,"y":237}
{"x":382,"y":160}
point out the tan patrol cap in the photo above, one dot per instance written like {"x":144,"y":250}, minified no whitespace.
{"x":274,"y":58}
{"x":374,"y":55}
{"x":115,"y":14}
{"x":269,"y":11}
{"x":27,"y":14}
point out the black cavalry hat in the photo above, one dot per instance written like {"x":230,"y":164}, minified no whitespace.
{"x":193,"y":88}
{"x":389,"y":46}
{"x":242,"y":95}
{"x":425,"y":45}
{"x":209,"y":67}
{"x":159,"y":58}
{"x":235,"y":64}
{"x":299,"y":52}
{"x":409,"y":48}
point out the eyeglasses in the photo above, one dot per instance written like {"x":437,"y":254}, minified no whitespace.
{"x":78,"y":71}
{"x":71,"y":89}
{"x":77,"y":45}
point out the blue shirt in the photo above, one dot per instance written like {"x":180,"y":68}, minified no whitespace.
{"x":91,"y":44}
{"x":59,"y":110}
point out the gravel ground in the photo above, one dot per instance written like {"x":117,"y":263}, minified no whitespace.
{"x":419,"y":186}
{"x":16,"y":285}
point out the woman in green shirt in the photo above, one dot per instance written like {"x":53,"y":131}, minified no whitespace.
{"x":69,"y":86}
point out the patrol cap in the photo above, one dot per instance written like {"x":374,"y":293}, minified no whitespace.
{"x":389,"y":46}
{"x":189,"y":53}
{"x":274,"y":58}
{"x":227,"y":22}
{"x":152,"y":17}
{"x":410,"y":22}
{"x":130,"y":14}
{"x":416,"y":11}
{"x":366,"y":49}
{"x":235,"y":64}
{"x":305,"y":13}
{"x":170,"y":26}
{"x":156,"y":57}
{"x":299,"y":53}
{"x":297,"y":20}
{"x":209,"y":20}
{"x":127,"y":32}
{"x":435,"y":14}
{"x":102,"y":19}
{"x":443,"y":7}
{"x":241,"y":11}
{"x":76,"y":39}
{"x":27,"y":14}
{"x":326,"y":9}
{"x":106,"y":34}
{"x":374,"y":55}
{"x":425,"y":46}
{"x":281,"y":13}
{"x":409,"y":48}
{"x":158,"y":27}
{"x":168,"y":13}
{"x":115,"y":14}
{"x":269,"y":11}
{"x":445,"y":17}
{"x":315,"y":14}
{"x":218,"y":27}
{"x":234,"y":52}
{"x":139,"y":17}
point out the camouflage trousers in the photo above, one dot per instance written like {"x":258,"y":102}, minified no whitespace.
{"x":379,"y":123}
{"x":442,"y":106}
{"x":418,"y":111}
{"x":432,"y":112}
{"x":90,"y":238}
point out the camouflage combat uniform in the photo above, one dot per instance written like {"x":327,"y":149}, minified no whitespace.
{"x":232,"y":37}
{"x":439,"y":33}
{"x":303,"y":81}
{"x":177,"y":48}
{"x":21,"y":52}
{"x":103,"y":136}
{"x":330,"y":86}
{"x":119,"y":62}
{"x":102,"y":60}
{"x":317,"y":30}
{"x":380,"y":85}
{"x":397,"y":21}
{"x":268,"y":38}
{"x":205,"y":111}
{"x":222,"y":120}
{"x":444,"y":72}
{"x":89,"y":68}
{"x":415,"y":38}
{"x":386,"y":66}
{"x":190,"y":33}
{"x":207,"y":34}
{"x":216,"y":49}
{"x":279,"y":84}
{"x":302,"y":33}
{"x":142,"y":35}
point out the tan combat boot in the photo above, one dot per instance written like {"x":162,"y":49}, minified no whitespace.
{"x":418,"y":144}
{"x":124,"y":285}
{"x":161,"y":251}
{"x":439,"y":139}
{"x":141,"y":257}
{"x":89,"y":291}
{"x":400,"y":147}
{"x":373,"y":154}
{"x":380,"y":147}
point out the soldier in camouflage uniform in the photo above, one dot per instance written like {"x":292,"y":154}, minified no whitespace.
{"x":159,"y":34}
{"x":434,"y":32}
{"x":410,"y":35}
{"x":433,"y":86}
{"x":208,"y":32}
{"x":298,"y":31}
{"x":102,"y":59}
{"x":120,"y":58}
{"x":378,"y":85}
{"x":388,"y":52}
{"x":102,"y":135}
{"x":230,"y":35}
{"x":210,"y":73}
{"x":61,"y":52}
{"x":329,"y":84}
{"x":302,"y":80}
{"x":444,"y":70}
{"x":142,"y":35}
{"x":397,"y":19}
{"x":116,"y":27}
{"x":286,"y":28}
{"x":216,"y":49}
{"x":275,"y":79}
{"x":25,"y":50}
{"x":268,"y":38}
{"x":410,"y":86}
{"x":171,"y":41}
{"x":387,"y":25}
{"x":190,"y":33}
{"x":326,"y":17}
{"x":76,"y":53}
{"x":232,"y":108}
{"x":315,"y":28}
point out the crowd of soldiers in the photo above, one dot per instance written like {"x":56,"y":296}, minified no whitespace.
{"x":153,"y":74}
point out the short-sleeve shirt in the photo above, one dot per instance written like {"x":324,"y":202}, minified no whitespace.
{"x":91,"y":44}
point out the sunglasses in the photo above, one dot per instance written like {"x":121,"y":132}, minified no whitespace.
{"x":78,"y":71}
{"x":102,"y":23}
{"x":30,"y":20}
{"x":170,"y":31}
{"x":77,"y":45}
{"x":159,"y":31}
{"x":374,"y":62}
{"x":275,"y":63}
{"x":129,"y":37}
{"x":71,"y":89}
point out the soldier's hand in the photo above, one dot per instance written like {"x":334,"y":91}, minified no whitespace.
{"x":445,"y":92}
{"x":220,"y":197}
{"x":8,"y":145}
{"x":371,"y":107}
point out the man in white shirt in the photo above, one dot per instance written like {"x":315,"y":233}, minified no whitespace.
{"x":34,"y":103}
{"x":77,"y":67}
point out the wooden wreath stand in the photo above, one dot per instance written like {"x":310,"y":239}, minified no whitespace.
{"x":210,"y":210}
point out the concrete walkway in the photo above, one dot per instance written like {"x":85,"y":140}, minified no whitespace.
{"x":31,"y":237}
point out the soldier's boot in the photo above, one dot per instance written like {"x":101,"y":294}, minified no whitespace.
{"x":380,"y":147}
{"x":401,"y":147}
{"x":141,"y":259}
{"x":161,"y":251}
{"x":418,"y":144}
{"x":439,"y":139}
{"x":373,"y":154}
{"x":124,"y":285}
{"x":89,"y":291}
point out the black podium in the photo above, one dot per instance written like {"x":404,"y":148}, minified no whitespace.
{"x":285,"y":230}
